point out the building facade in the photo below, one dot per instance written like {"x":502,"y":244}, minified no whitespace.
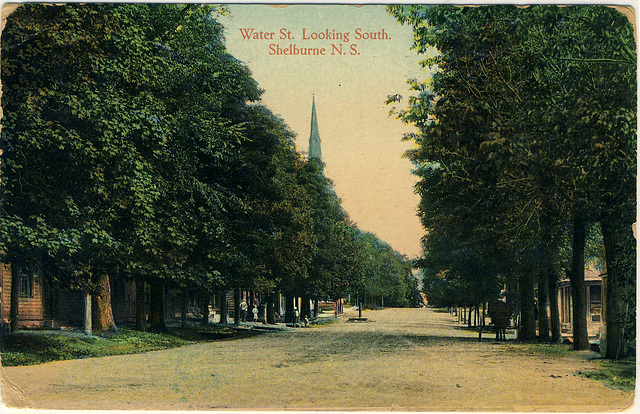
{"x":595,"y":304}
{"x":30,"y":296}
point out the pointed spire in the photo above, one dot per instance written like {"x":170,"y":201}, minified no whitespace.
{"x":314,"y":137}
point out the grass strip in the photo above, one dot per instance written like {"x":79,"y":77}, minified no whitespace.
{"x":620,"y":374}
{"x":36,"y":347}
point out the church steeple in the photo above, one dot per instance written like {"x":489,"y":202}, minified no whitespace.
{"x":314,"y":137}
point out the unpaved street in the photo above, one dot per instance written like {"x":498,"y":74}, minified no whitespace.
{"x":404,"y":359}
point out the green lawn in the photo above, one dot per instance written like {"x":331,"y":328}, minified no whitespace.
{"x":619,"y":374}
{"x":36,"y":347}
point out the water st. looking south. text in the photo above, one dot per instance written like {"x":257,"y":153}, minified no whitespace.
{"x":339,"y":42}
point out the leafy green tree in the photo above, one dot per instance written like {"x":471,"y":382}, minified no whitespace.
{"x":132,"y":112}
{"x":502,"y":149}
{"x":334,"y":259}
{"x":58,"y":163}
{"x":594,"y":79}
{"x":386,"y":276}
{"x":205,"y":97}
{"x":274,"y":233}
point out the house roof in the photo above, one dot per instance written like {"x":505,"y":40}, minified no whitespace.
{"x":590,"y":275}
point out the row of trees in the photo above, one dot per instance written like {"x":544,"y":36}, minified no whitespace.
{"x":134,"y":147}
{"x":526,"y":144}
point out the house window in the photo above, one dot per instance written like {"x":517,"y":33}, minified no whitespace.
{"x":25,"y":274}
{"x":595,"y":294}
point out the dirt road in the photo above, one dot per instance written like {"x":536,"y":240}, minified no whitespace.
{"x":404,"y":359}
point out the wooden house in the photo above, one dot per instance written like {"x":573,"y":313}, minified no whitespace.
{"x":39,"y":305}
{"x":595,"y":302}
{"x":30,"y":298}
{"x":43,"y":306}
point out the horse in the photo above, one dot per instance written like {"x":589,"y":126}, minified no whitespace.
{"x":499,"y":314}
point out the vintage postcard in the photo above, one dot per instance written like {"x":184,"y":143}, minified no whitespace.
{"x":318,"y":207}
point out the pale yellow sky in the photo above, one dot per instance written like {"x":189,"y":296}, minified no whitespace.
{"x":361,"y":143}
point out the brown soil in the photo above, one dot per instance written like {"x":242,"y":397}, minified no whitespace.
{"x":401,"y":359}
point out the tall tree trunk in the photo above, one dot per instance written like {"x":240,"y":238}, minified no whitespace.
{"x":614,"y":250}
{"x":101,"y":311}
{"x":316,"y":307}
{"x":87,"y":315}
{"x":271,"y":308}
{"x":288,"y":309}
{"x":141,"y":312}
{"x":183,"y":312}
{"x":484,"y":313}
{"x":15,"y":300}
{"x":578,"y":289}
{"x":204,"y":307}
{"x":306,"y":308}
{"x":552,"y":278}
{"x":543,"y":302}
{"x":236,"y":306}
{"x":527,"y":312}
{"x":224,"y":308}
{"x":156,"y":307}
{"x":479,"y":322}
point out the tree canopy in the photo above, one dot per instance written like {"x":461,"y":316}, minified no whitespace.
{"x":135,"y":146}
{"x":527,"y":123}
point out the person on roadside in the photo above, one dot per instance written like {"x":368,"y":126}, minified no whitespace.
{"x":255,"y":313}
{"x":243,"y":310}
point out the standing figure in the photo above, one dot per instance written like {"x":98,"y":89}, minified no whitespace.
{"x":243,"y":310}
{"x":255,"y":313}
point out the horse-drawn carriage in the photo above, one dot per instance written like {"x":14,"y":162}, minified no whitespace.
{"x":501,"y":311}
